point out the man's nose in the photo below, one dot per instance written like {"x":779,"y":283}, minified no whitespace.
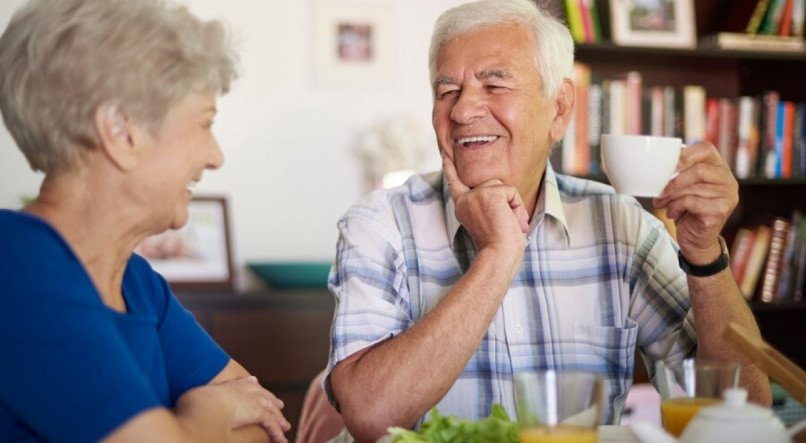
{"x":470,"y":106}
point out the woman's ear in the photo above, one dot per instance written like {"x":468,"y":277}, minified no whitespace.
{"x":115,"y":136}
{"x":564,"y":105}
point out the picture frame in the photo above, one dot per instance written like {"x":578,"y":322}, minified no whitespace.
{"x":653,"y":23}
{"x":354,"y":42}
{"x":199,"y":255}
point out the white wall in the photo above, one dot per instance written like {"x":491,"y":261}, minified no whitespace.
{"x":290,"y":171}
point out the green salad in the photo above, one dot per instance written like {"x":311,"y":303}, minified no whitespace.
{"x":496,"y":427}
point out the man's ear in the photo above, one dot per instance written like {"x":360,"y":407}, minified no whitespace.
{"x":115,"y":136}
{"x":564,"y":105}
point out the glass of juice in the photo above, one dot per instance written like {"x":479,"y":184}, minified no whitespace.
{"x":690,"y":385}
{"x":558,"y":407}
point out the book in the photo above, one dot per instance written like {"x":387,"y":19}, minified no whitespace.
{"x":758,"y":14}
{"x":772,"y":19}
{"x":787,"y":145}
{"x":740,"y":253}
{"x":753,"y":42}
{"x":712,"y":121}
{"x":617,"y":112}
{"x":800,"y":140}
{"x":727,"y":130}
{"x":786,"y":277}
{"x":587,"y":23}
{"x":575,"y":20}
{"x":747,"y":138}
{"x":772,"y":270}
{"x":798,"y":17}
{"x":633,"y":83}
{"x":800,"y":262}
{"x":693,"y":113}
{"x":758,"y":253}
{"x":769,"y":117}
{"x":786,"y":19}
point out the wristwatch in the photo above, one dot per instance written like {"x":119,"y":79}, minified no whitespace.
{"x":710,"y":269}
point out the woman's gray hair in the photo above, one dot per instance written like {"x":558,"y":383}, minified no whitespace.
{"x":554,"y":55}
{"x":63,"y":59}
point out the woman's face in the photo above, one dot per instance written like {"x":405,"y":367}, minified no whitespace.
{"x":174,"y":159}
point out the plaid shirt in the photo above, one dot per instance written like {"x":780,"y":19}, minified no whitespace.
{"x":599,"y":277}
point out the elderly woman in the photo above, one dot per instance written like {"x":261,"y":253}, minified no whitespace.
{"x":114,"y":101}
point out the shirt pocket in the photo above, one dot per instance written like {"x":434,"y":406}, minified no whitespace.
{"x":606,"y":350}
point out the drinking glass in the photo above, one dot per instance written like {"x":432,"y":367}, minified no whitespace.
{"x":556,"y":407}
{"x":690,"y":385}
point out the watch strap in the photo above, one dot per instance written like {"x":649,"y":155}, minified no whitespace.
{"x":709,"y":269}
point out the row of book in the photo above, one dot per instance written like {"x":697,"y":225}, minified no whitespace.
{"x":583,"y":21}
{"x":762,"y":136}
{"x":783,"y":18}
{"x":769,"y":261}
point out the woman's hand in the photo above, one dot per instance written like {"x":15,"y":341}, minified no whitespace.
{"x":247,"y":402}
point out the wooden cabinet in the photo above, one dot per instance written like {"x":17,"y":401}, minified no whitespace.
{"x":282,"y":337}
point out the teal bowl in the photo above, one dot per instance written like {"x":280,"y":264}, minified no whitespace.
{"x":292,"y":274}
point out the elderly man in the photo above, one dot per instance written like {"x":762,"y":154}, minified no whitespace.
{"x":448,"y":285}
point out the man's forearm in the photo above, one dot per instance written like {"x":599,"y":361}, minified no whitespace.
{"x":716,"y":301}
{"x":397,"y":381}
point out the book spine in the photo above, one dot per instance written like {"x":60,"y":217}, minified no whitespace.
{"x":798,"y":17}
{"x":769,"y":285}
{"x":788,"y":134}
{"x":758,"y":14}
{"x":669,"y":112}
{"x":575,"y":20}
{"x":800,"y":129}
{"x":771,"y":99}
{"x":712,"y":121}
{"x":656,"y":111}
{"x":634,"y":85}
{"x":618,"y":99}
{"x":744,"y":162}
{"x":587,"y":25}
{"x":740,"y":253}
{"x":800,"y":262}
{"x":727,"y":130}
{"x":693,"y":113}
{"x":786,"y":19}
{"x":597,"y":26}
{"x":785,"y":279}
{"x":761,"y":244}
{"x":779,"y":140}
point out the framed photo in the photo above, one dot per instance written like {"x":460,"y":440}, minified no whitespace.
{"x":354,"y":42}
{"x":656,"y":23}
{"x":197,"y":256}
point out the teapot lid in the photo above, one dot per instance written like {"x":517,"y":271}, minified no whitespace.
{"x":736,"y":408}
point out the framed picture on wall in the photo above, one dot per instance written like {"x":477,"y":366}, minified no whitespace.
{"x":655,"y":23}
{"x":354,"y":42}
{"x":197,"y":256}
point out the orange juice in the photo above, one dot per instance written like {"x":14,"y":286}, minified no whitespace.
{"x":558,"y":434}
{"x":677,"y":412}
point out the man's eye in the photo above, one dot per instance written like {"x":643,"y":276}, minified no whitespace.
{"x":446,"y":94}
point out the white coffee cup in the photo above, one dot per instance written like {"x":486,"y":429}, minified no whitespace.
{"x":639,"y":165}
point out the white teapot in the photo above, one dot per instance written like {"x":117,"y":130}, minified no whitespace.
{"x":733,"y":420}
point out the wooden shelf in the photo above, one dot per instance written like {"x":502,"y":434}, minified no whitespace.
{"x":607,"y":49}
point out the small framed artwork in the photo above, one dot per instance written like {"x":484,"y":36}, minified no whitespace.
{"x":354,"y":42}
{"x":655,"y":23}
{"x":197,"y":256}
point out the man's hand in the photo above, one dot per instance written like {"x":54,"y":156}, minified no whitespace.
{"x":699,"y":200}
{"x":492,"y":212}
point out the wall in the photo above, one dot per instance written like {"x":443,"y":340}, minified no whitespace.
{"x":290,"y":170}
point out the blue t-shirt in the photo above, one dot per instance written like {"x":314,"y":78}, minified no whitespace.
{"x":73,"y":370}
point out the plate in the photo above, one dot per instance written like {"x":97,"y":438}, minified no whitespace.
{"x":292,"y":274}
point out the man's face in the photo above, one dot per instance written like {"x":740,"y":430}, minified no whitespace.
{"x":489,"y":114}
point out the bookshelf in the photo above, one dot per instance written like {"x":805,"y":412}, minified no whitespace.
{"x":731,"y":74}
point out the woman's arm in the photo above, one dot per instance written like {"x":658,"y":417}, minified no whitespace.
{"x":232,"y":407}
